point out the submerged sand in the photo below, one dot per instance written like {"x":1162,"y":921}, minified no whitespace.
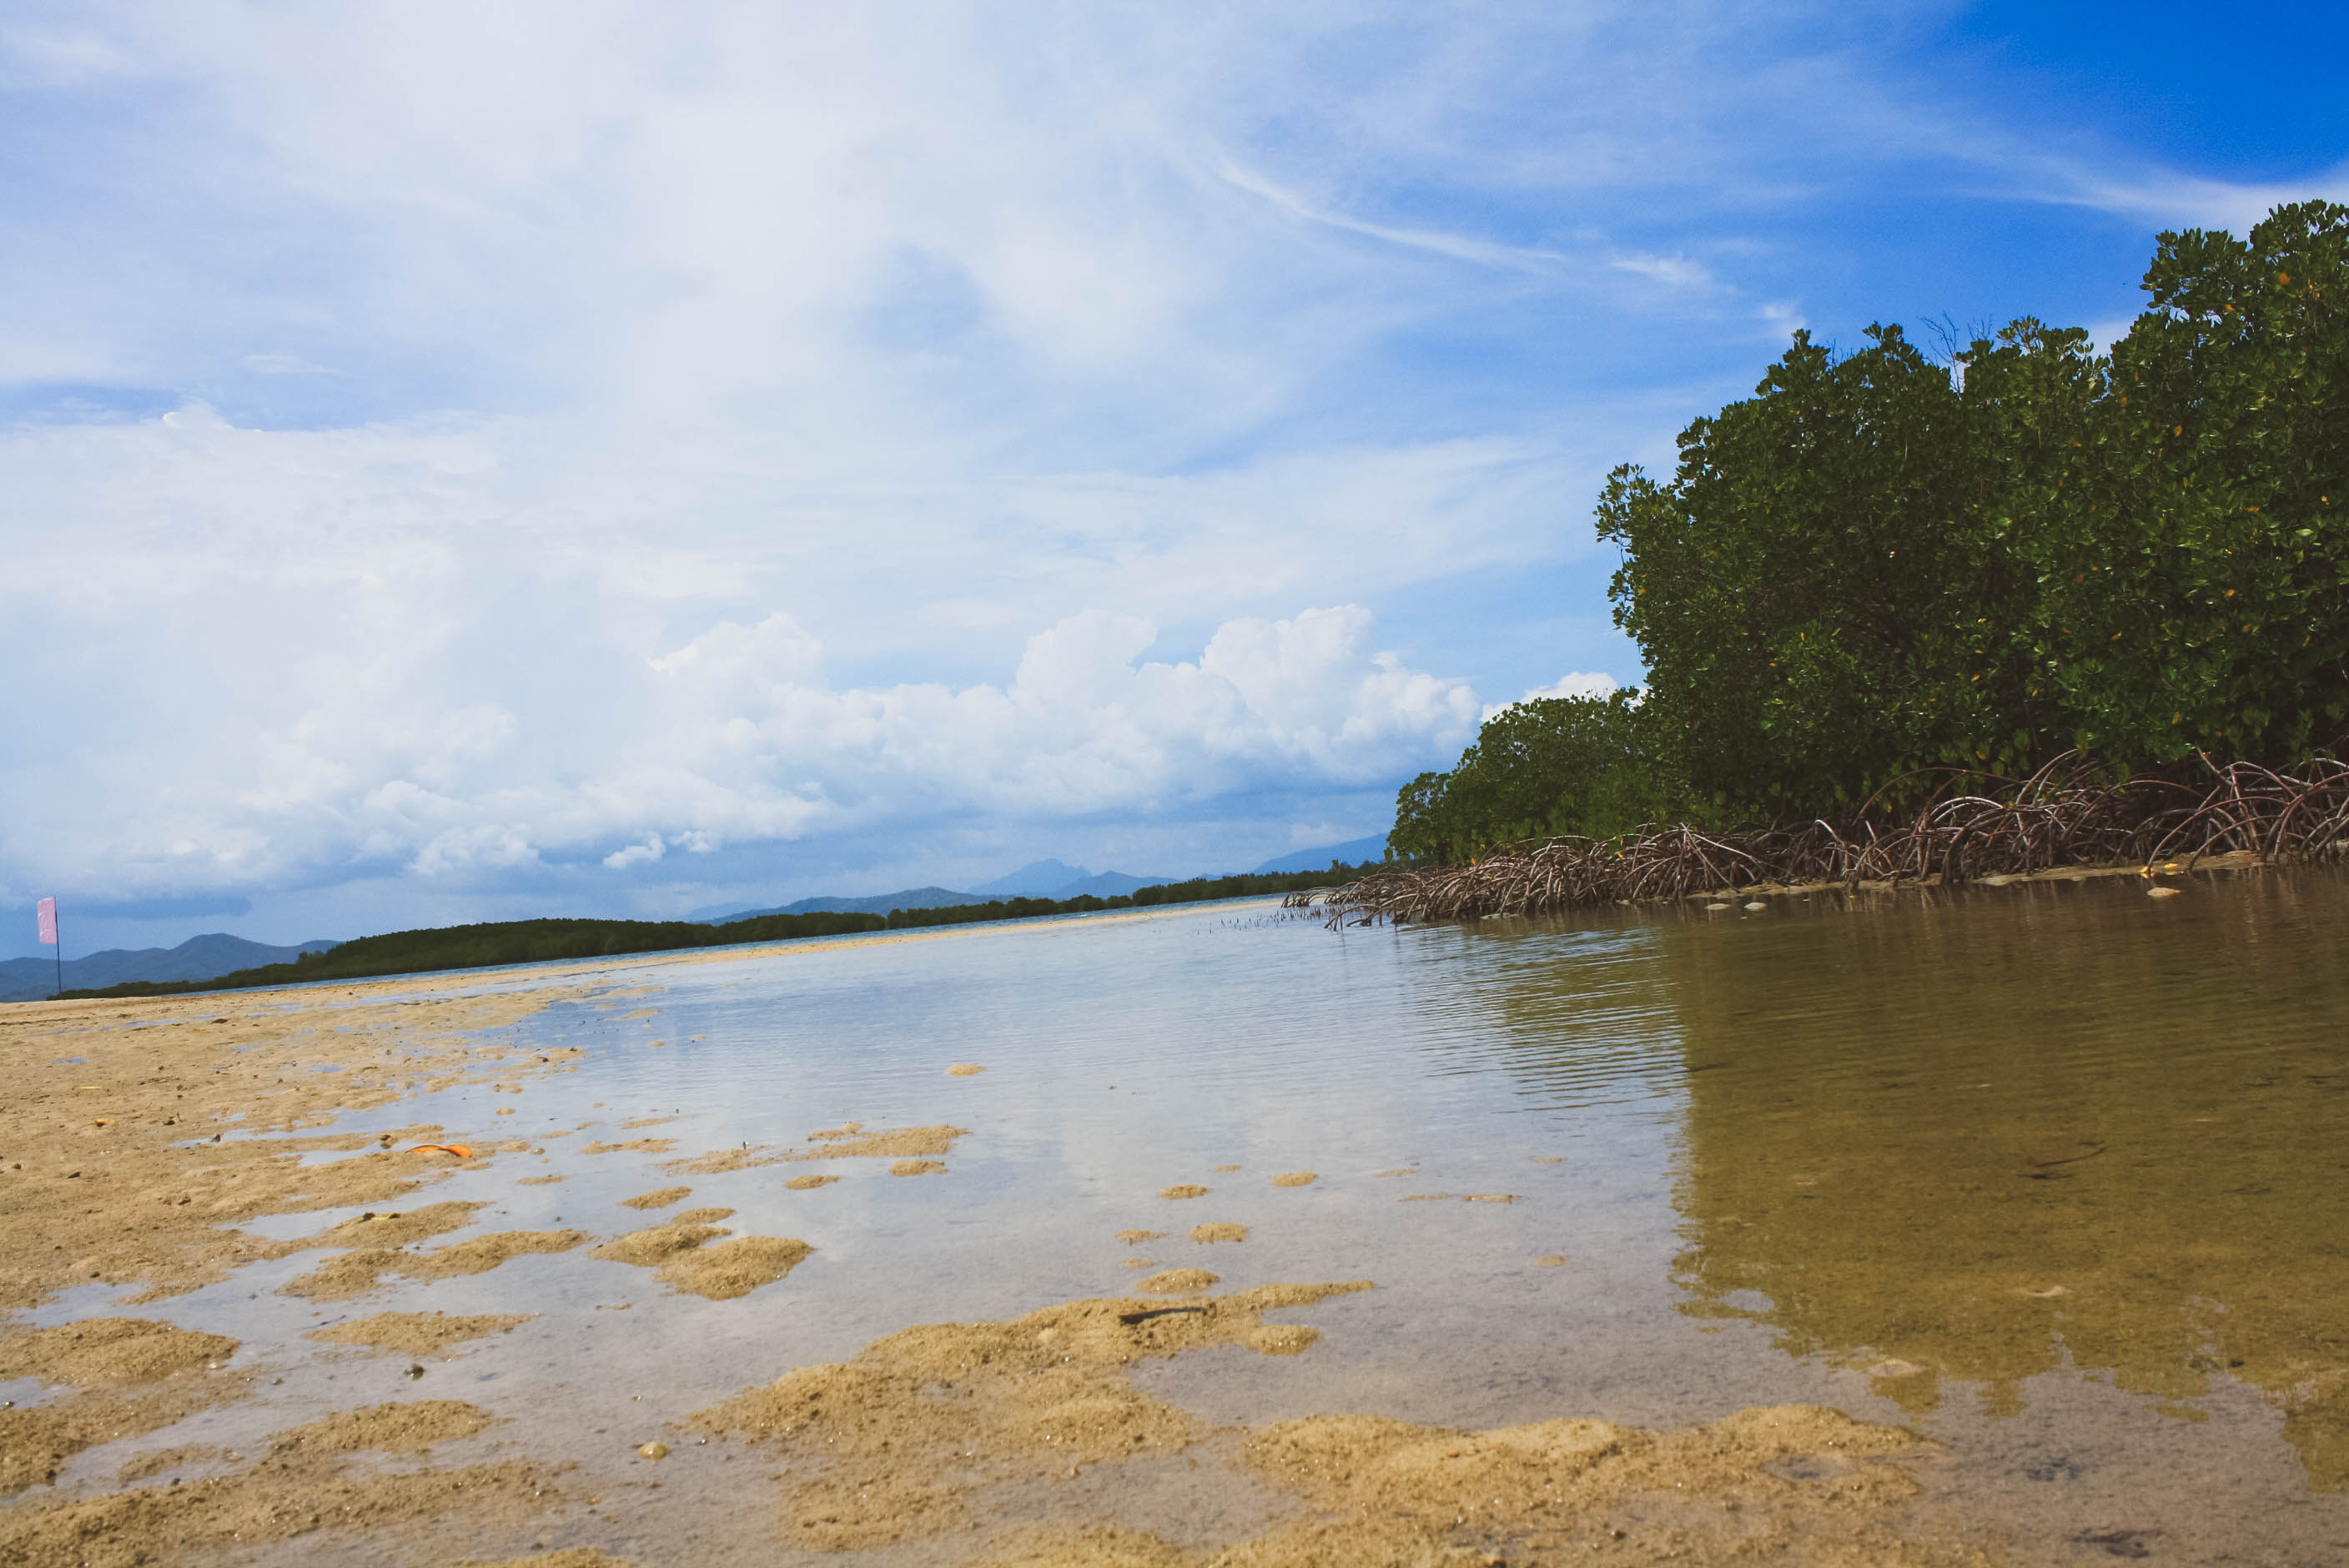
{"x":148,"y":1163}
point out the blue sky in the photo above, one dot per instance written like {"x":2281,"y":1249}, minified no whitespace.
{"x":472,"y":463}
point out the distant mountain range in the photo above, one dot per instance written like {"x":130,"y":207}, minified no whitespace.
{"x":1037,"y":879}
{"x":1352,"y":853}
{"x":197,"y":958}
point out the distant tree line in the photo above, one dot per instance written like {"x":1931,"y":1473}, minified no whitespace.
{"x":510,"y":942}
{"x":1881,"y":563}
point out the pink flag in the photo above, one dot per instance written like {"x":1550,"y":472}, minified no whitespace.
{"x":45,"y":912}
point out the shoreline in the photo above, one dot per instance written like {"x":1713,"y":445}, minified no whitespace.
{"x":733,"y":953}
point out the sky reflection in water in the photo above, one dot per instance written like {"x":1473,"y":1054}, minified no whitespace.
{"x":2058,"y":1173}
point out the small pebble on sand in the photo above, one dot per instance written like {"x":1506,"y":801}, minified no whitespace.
{"x":653,"y":1450}
{"x":2162,"y":892}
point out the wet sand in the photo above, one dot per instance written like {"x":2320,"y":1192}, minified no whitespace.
{"x":157,"y":1148}
{"x":150,"y":1136}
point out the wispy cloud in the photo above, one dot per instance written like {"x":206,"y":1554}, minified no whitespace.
{"x":1459,"y":247}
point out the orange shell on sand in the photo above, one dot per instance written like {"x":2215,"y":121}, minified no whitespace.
{"x":462,"y":1150}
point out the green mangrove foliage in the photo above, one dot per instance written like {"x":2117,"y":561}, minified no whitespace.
{"x":1880,"y":563}
{"x":1555,"y":766}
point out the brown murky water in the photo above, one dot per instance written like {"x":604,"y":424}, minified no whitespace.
{"x":2055,"y":1175}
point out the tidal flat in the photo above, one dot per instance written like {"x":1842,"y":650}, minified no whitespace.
{"x":2002,"y":1226}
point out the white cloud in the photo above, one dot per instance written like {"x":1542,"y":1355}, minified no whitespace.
{"x":635,"y":854}
{"x":296,"y":656}
{"x":1573,"y":683}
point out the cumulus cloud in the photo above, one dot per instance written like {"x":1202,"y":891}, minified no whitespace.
{"x":735,"y":737}
{"x":1573,"y":683}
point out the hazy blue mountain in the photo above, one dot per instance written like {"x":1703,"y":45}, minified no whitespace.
{"x":712,"y":913}
{"x":879,"y":903}
{"x":1353,"y":853}
{"x":197,"y":958}
{"x":1037,"y":879}
{"x":1106,"y":885}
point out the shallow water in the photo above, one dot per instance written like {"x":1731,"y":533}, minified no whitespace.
{"x":2054,"y":1173}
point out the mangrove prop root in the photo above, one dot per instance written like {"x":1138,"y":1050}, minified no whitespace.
{"x":2063,"y":815}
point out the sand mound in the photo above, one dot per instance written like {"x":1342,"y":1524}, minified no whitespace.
{"x":355,"y":1273}
{"x":918,"y":1167}
{"x":808,"y":1183}
{"x":906,"y":1143}
{"x":273,"y":1500}
{"x":631,"y":1146}
{"x":345,"y":1274}
{"x":1295,"y":1179}
{"x":1177,"y":1282}
{"x":1097,"y":1546}
{"x":569,"y":1557}
{"x":686,"y":1262}
{"x":719,"y":1162}
{"x":655,"y":1245}
{"x":905,"y":1433}
{"x":1219,"y":1232}
{"x":846,"y":1142}
{"x":396,"y":1428}
{"x":172,"y":1368}
{"x":388,"y":1229}
{"x":658,"y":1197}
{"x":701,"y":1216}
{"x":965,"y":1069}
{"x":109,"y":1352}
{"x":418,"y":1332}
{"x":1182,"y":1190}
{"x":735,"y":1268}
{"x":483,"y":1253}
{"x":1135,"y":1238}
{"x":1389,"y":1491}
